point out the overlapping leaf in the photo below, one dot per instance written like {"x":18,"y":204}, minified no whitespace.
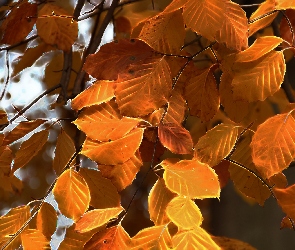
{"x":72,"y":194}
{"x":34,"y":239}
{"x":113,"y":152}
{"x":273,"y":146}
{"x":176,"y":108}
{"x":285,"y":198}
{"x":191,"y":178}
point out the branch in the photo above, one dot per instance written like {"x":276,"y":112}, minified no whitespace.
{"x":7,"y":76}
{"x":20,"y":43}
{"x":78,"y":9}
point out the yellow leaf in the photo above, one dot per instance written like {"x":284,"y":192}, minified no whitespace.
{"x":113,"y":152}
{"x":156,"y":237}
{"x":103,"y":193}
{"x":29,"y":149}
{"x":191,"y":178}
{"x":99,"y":92}
{"x":216,"y":144}
{"x":56,"y":29}
{"x":273,"y":147}
{"x":96,"y":218}
{"x":72,"y":194}
{"x":285,"y":4}
{"x":184,"y":213}
{"x":33,"y":239}
{"x":158,"y":200}
{"x":47,"y":220}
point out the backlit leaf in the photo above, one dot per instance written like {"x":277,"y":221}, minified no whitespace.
{"x":156,"y":237}
{"x":110,"y":238}
{"x":123,"y":174}
{"x":145,"y":88}
{"x":286,"y":223}
{"x":6,"y":157}
{"x":176,"y":109}
{"x":99,"y":92}
{"x":103,"y":193}
{"x":113,"y":152}
{"x":158,"y":200}
{"x":104,"y":122}
{"x":47,"y":220}
{"x":72,"y":194}
{"x":33,"y":239}
{"x":96,"y":218}
{"x":285,"y":4}
{"x":64,"y":150}
{"x":216,"y":144}
{"x":29,"y":149}
{"x":202,"y":95}
{"x":55,"y":28}
{"x":164,"y":32}
{"x":196,"y":238}
{"x":10,"y":186}
{"x":285,"y":198}
{"x":176,"y":138}
{"x":228,"y":243}
{"x":191,"y":178}
{"x":184,"y":213}
{"x":21,"y":130}
{"x":273,"y":146}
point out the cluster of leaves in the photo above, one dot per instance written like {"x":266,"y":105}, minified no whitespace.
{"x":153,"y":94}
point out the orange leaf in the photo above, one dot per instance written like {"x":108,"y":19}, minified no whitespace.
{"x":123,"y":174}
{"x":221,"y":170}
{"x":113,"y":152}
{"x":284,"y":26}
{"x":286,"y":223}
{"x":202,"y":95}
{"x":47,"y":220}
{"x":158,"y":200}
{"x":99,"y":92}
{"x":33,"y":239}
{"x":20,"y":19}
{"x":3,"y":117}
{"x":56,"y":28}
{"x":115,"y":57}
{"x":286,"y":199}
{"x":72,"y":194}
{"x":216,"y":144}
{"x":176,"y":108}
{"x":96,"y":218}
{"x":176,"y":138}
{"x":145,"y":88}
{"x":285,"y":4}
{"x":273,"y":147}
{"x":102,"y":191}
{"x":29,"y":149}
{"x":184,"y":213}
{"x":21,"y":130}
{"x":164,"y":32}
{"x":228,"y":243}
{"x":109,"y":238}
{"x":64,"y":150}
{"x":6,"y":157}
{"x":156,"y":237}
{"x":104,"y":122}
{"x":191,"y":178}
{"x":196,"y":238}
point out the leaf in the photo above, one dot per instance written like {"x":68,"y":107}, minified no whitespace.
{"x":71,"y":194}
{"x":176,"y":138}
{"x":285,"y":198}
{"x":11,"y":222}
{"x":6,"y":157}
{"x":113,"y":152}
{"x":115,"y":57}
{"x":10,"y":186}
{"x":176,"y":109}
{"x":228,"y":243}
{"x":34,"y":239}
{"x":184,"y":213}
{"x":283,"y":4}
{"x":64,"y":151}
{"x":46,"y":220}
{"x":99,"y":92}
{"x":110,"y":238}
{"x":191,"y":178}
{"x":21,"y":130}
{"x":216,"y":144}
{"x":3,"y":117}
{"x":103,"y":193}
{"x":57,"y":28}
{"x":284,"y":26}
{"x":156,"y":237}
{"x":29,"y":149}
{"x":202,"y":95}
{"x":164,"y":32}
{"x":96,"y":218}
{"x":20,"y":20}
{"x":286,"y":223}
{"x":158,"y":200}
{"x":196,"y":238}
{"x":221,"y":170}
{"x":273,"y":146}
{"x":123,"y":174}
{"x":105,"y":123}
{"x":145,"y":88}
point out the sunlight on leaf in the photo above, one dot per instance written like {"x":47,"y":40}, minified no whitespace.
{"x":47,"y":220}
{"x":176,"y":109}
{"x":286,"y":199}
{"x":33,"y":239}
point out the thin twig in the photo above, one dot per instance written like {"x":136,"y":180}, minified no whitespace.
{"x":18,"y":44}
